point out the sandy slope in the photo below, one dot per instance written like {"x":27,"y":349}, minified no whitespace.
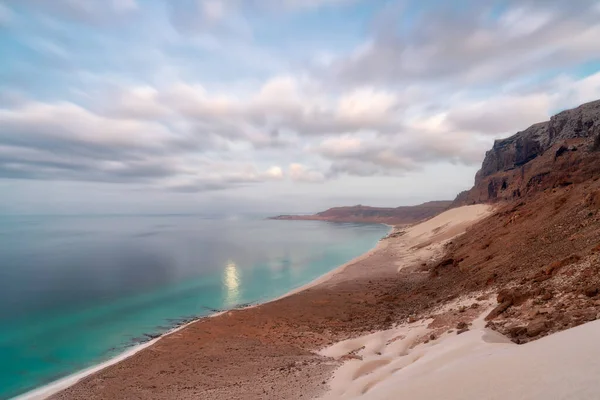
{"x":447,"y":224}
{"x":479,"y":364}
{"x":470,"y":366}
{"x":420,"y":242}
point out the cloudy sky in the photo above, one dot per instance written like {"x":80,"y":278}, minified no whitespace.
{"x":282,"y":105}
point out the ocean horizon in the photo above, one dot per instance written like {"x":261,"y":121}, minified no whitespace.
{"x":78,"y":290}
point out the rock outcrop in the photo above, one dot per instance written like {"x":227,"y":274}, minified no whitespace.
{"x":555,"y":153}
{"x":392,"y":216}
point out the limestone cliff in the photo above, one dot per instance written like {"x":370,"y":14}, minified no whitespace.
{"x":555,"y":153}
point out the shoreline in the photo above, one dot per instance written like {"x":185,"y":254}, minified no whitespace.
{"x":68,"y":381}
{"x":380,"y":245}
{"x":61,"y":384}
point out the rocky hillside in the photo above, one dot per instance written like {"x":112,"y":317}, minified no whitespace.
{"x":540,"y":254}
{"x":392,"y":216}
{"x":550,"y":154}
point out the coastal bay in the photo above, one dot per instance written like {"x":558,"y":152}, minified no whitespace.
{"x":78,"y":291}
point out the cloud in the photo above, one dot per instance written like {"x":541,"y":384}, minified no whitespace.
{"x":383,"y":155}
{"x":375,"y":150}
{"x":473,"y":46}
{"x":275,"y":173}
{"x":139,"y":102}
{"x":356,"y":167}
{"x":195,"y":109}
{"x":231,"y":17}
{"x":203,"y":16}
{"x":457,"y":132}
{"x":64,"y":141}
{"x":87,"y":11}
{"x":501,"y":114}
{"x":367,"y":106}
{"x":219,"y":177}
{"x":18,"y":162}
{"x":213,"y":10}
{"x":567,"y":91}
{"x":281,"y":109}
{"x":184,"y":137}
{"x":297,"y":5}
{"x":301,"y":173}
{"x":5,"y":16}
{"x":66,"y":124}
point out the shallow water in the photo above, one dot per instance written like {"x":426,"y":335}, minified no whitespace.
{"x":75,"y":291}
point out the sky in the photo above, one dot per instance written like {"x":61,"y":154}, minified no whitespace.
{"x":191,"y":106}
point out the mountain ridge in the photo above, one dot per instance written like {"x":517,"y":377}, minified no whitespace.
{"x":366,"y":214}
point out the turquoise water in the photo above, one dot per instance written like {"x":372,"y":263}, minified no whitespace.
{"x":75,"y":291}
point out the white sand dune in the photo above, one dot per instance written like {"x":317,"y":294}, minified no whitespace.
{"x":449,"y":223}
{"x":477,"y":364}
{"x":482,"y":364}
{"x":425,"y":241}
{"x":429,"y":236}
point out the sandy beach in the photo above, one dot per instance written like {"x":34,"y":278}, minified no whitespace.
{"x":272,"y":350}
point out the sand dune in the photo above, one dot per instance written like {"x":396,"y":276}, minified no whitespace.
{"x":481,"y":364}
{"x":449,"y":223}
{"x":478,"y":364}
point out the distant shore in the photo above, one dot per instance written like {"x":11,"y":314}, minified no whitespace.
{"x":402,"y":215}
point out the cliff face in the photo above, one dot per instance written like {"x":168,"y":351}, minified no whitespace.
{"x":392,"y":216}
{"x":555,"y":153}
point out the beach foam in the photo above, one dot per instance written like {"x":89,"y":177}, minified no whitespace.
{"x":61,"y":384}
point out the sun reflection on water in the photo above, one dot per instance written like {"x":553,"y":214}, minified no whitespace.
{"x":231,"y":281}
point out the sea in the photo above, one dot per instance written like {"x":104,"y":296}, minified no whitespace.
{"x":78,"y":290}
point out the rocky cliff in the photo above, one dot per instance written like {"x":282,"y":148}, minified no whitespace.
{"x":392,"y":216}
{"x":555,"y":153}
